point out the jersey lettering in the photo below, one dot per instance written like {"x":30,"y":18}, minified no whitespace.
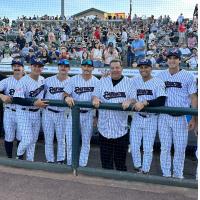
{"x":141,"y":92}
{"x":36,"y":92}
{"x":169,"y":84}
{"x":80,"y":90}
{"x":54,"y":90}
{"x":112,"y":95}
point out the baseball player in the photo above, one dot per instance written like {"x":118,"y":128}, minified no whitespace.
{"x":2,"y":76}
{"x":30,"y":86}
{"x":7,"y":86}
{"x":54,"y":118}
{"x":180,"y":86}
{"x":150,"y":91}
{"x":112,"y":125}
{"x":81,"y":88}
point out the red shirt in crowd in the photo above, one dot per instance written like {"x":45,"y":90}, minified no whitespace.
{"x":142,"y":35}
{"x":97,"y":34}
{"x":181,"y":28}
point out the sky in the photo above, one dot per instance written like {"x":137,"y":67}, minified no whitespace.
{"x":14,"y":8}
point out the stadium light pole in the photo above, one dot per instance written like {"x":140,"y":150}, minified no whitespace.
{"x":130,"y":10}
{"x":62,"y":9}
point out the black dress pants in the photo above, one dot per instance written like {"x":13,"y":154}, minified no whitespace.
{"x":113,"y":152}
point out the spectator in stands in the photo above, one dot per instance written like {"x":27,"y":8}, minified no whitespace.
{"x":25,"y":50}
{"x":110,"y":54}
{"x":21,"y":41}
{"x":182,"y":31}
{"x":97,"y":34}
{"x":191,"y":41}
{"x":29,"y":36}
{"x":51,"y":38}
{"x":150,"y":56}
{"x":193,"y":59}
{"x":97,"y":55}
{"x":124,"y":39}
{"x":30,"y":56}
{"x":111,"y":37}
{"x":180,"y":18}
{"x":138,"y":47}
{"x":185,"y":51}
{"x":152,"y":36}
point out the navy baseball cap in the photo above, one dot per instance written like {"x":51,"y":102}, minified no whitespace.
{"x":17,"y":61}
{"x":87,"y":62}
{"x":174,"y":52}
{"x":144,"y":62}
{"x":63,"y":62}
{"x":37,"y":61}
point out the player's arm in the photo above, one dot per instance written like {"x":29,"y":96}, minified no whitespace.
{"x":194,"y":103}
{"x":68,"y":99}
{"x":96,"y":100}
{"x":131,"y":96}
{"x":40,"y":103}
{"x":4,"y":98}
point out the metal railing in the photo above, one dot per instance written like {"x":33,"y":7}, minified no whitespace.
{"x":111,"y":173}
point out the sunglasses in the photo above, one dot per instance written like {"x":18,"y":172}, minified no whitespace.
{"x":87,"y":62}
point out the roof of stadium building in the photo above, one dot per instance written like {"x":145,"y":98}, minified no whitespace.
{"x":89,"y":10}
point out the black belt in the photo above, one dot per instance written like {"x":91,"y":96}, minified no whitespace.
{"x":146,"y":116}
{"x":11,"y":109}
{"x":176,"y":115}
{"x":32,"y":110}
{"x":83,"y":111}
{"x":55,"y":111}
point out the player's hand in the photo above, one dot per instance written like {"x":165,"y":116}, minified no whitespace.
{"x":138,"y":106}
{"x":126,"y":104}
{"x":6,"y":99}
{"x":41,"y":103}
{"x":96,"y":102}
{"x":69,"y":101}
{"x":192,"y":124}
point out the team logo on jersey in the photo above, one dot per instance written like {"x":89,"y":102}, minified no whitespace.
{"x":54,"y":90}
{"x":80,"y":90}
{"x":141,"y":92}
{"x":11,"y":92}
{"x":169,"y":84}
{"x":112,"y":95}
{"x":36,"y":92}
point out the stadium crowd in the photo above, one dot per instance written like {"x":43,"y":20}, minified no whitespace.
{"x":100,"y":41}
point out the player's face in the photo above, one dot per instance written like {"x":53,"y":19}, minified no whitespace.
{"x":116,"y":70}
{"x":173,"y":62}
{"x":18,"y":69}
{"x":63,"y":69}
{"x":145,"y":71}
{"x":36,"y":69}
{"x":87,"y":69}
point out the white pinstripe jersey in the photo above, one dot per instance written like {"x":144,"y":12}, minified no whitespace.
{"x":30,"y":88}
{"x":54,"y":89}
{"x":112,"y":124}
{"x":8,"y":86}
{"x":81,"y":89}
{"x":179,"y":87}
{"x":147,"y":90}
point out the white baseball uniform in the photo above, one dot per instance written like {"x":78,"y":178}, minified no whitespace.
{"x":8,"y":85}
{"x":81,"y":90}
{"x":29,"y":116}
{"x":179,"y":87}
{"x":54,"y":119}
{"x":144,"y":125}
{"x":112,"y":125}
